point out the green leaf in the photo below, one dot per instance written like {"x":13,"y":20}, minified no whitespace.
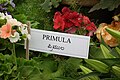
{"x":29,"y":73}
{"x":1,"y":57}
{"x":89,"y":76}
{"x":35,"y":24}
{"x":25,"y":71}
{"x":59,"y":72}
{"x":3,"y":1}
{"x":46,"y":5}
{"x":116,"y":71}
{"x":2,"y":22}
{"x":98,"y":65}
{"x":6,"y":68}
{"x":35,"y":75}
{"x":111,"y":61}
{"x":74,"y":62}
{"x":85,"y":69}
{"x":2,"y":48}
{"x":95,"y":52}
{"x":103,"y":4}
{"x":21,"y":17}
{"x":106,"y":52}
{"x":118,"y":50}
{"x":1,"y":73}
{"x":115,"y":53}
{"x":55,"y":3}
{"x":71,"y":65}
{"x":114,"y":33}
{"x":48,"y":66}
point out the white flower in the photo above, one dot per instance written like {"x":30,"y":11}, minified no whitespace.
{"x":23,"y":29}
{"x":2,"y":16}
{"x":14,"y":38}
{"x":14,"y":22}
{"x":8,"y":16}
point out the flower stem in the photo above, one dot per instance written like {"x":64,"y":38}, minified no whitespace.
{"x":14,"y":54}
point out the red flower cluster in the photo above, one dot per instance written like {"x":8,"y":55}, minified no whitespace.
{"x":70,"y":21}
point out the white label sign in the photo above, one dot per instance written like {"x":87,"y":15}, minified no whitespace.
{"x":59,"y":43}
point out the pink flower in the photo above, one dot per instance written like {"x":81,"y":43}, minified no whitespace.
{"x":6,"y":31}
{"x":71,"y":30}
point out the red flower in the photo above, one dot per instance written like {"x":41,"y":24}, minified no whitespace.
{"x":65,"y":9}
{"x":75,"y":18}
{"x":59,"y":23}
{"x":86,"y":20}
{"x":57,"y":14}
{"x":70,"y":21}
{"x":66,"y":17}
{"x":91,"y":27}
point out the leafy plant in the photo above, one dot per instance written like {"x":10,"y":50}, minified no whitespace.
{"x":106,"y":52}
{"x":47,"y":5}
{"x":106,"y":4}
{"x":7,"y":67}
{"x":87,"y":71}
{"x":38,"y":17}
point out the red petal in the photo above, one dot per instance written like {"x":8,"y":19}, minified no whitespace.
{"x":65,"y":9}
{"x":57,"y":14}
{"x":56,"y":26}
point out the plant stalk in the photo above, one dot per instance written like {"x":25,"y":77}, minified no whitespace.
{"x":14,"y":54}
{"x":27,"y":42}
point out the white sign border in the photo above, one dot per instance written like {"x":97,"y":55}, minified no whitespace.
{"x":63,"y":54}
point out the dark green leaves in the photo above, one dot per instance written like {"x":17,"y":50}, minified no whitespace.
{"x":47,"y":5}
{"x":98,"y":65}
{"x":106,"y":52}
{"x":29,"y":73}
{"x":103,"y":4}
